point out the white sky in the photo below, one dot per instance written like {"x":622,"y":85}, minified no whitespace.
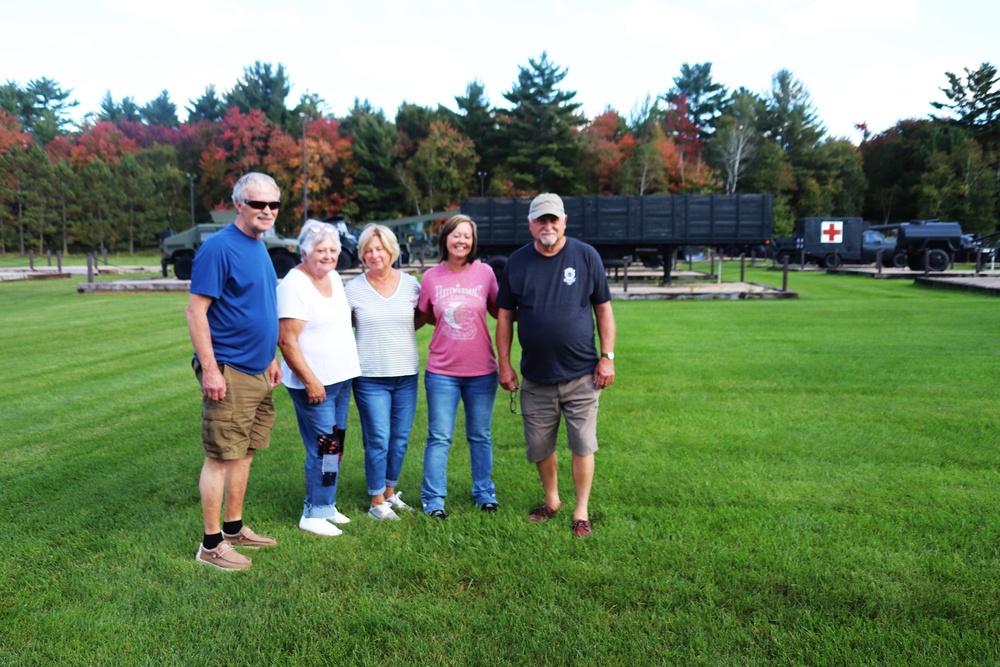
{"x":861,"y":60}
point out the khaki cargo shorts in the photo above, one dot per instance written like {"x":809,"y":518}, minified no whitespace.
{"x":542,"y":405}
{"x":242,"y":420}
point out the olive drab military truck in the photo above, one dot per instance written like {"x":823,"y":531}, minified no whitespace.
{"x":831,"y":242}
{"x":179,"y":249}
{"x":929,"y":245}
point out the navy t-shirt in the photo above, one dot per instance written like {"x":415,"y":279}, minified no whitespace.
{"x":236,"y":272}
{"x":554,"y":298}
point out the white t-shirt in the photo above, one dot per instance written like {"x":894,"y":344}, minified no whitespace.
{"x":387,"y":342}
{"x":327,"y":342}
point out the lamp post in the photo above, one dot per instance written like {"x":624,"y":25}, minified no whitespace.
{"x":305,"y":175}
{"x":482,"y":185}
{"x":191,"y":190}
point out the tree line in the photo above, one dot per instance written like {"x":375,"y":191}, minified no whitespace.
{"x":128,"y":170}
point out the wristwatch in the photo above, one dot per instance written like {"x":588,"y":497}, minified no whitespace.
{"x":609,"y":355}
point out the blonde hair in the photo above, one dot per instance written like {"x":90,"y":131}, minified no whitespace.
{"x":385,"y":235}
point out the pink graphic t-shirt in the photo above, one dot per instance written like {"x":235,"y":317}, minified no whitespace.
{"x":461,"y":345}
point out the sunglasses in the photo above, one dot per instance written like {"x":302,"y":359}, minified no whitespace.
{"x":513,"y":403}
{"x":261,"y":205}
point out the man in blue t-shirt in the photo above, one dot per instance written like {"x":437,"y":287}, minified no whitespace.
{"x":232,"y":317}
{"x":555,"y":288}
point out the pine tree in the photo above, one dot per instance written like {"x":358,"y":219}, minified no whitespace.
{"x":541,"y":131}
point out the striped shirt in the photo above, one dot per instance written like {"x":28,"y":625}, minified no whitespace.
{"x":387,"y":343}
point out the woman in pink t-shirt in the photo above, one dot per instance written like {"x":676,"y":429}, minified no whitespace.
{"x":456,"y":295}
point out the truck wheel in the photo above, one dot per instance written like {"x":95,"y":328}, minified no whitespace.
{"x":497,"y":262}
{"x":899,"y":260}
{"x":283,"y":263}
{"x":344,"y":261}
{"x":785,"y":254}
{"x":833,"y":261}
{"x":938,"y":260}
{"x":651,"y":261}
{"x":182,"y":266}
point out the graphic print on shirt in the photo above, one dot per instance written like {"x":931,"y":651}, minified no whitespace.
{"x":569,"y":275}
{"x":459,"y":306}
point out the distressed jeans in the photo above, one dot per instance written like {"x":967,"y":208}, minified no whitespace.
{"x":314,"y":421}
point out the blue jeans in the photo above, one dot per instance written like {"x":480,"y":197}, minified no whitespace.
{"x":478,"y":395}
{"x":314,"y":421}
{"x":386,"y":407}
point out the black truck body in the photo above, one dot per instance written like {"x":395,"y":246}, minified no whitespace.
{"x":648,"y":228}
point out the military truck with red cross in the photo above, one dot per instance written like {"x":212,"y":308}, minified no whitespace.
{"x":832,"y":242}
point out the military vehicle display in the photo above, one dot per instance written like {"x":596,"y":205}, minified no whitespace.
{"x":832,"y":242}
{"x":928,"y":244}
{"x":179,"y":249}
{"x":648,"y":228}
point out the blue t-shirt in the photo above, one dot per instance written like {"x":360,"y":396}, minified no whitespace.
{"x":236,"y":272}
{"x":554,"y":298}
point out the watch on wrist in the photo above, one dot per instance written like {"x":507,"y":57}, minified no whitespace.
{"x":609,"y":355}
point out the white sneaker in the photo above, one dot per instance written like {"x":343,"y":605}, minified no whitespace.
{"x":337,"y":517}
{"x":383,"y":511}
{"x":319,"y":527}
{"x":396,"y":502}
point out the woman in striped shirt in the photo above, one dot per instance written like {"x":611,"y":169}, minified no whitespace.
{"x":383,"y":303}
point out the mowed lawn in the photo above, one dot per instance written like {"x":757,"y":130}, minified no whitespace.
{"x":797,"y":482}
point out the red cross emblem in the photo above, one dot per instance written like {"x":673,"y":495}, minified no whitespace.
{"x":833,"y":232}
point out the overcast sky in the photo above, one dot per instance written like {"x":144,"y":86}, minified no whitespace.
{"x":874,"y":61}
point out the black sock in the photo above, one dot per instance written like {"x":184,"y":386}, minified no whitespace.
{"x":212,"y":541}
{"x":232,"y":527}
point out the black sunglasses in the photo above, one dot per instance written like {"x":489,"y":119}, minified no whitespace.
{"x":261,"y":205}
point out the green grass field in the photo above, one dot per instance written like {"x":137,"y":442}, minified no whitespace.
{"x":145,"y":257}
{"x":796,"y":482}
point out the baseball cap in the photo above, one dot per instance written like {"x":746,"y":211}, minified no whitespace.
{"x":546,"y":204}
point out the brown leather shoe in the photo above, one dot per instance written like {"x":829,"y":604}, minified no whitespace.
{"x":541,"y":513}
{"x":248,"y":538}
{"x":224,"y":557}
{"x":581,"y":528}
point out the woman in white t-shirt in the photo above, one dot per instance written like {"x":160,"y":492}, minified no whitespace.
{"x":319,"y":361}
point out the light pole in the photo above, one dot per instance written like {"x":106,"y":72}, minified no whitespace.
{"x":482,"y":186}
{"x":305,"y":174}
{"x":191,"y":189}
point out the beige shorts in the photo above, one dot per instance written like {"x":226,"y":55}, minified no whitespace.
{"x":542,"y":405}
{"x":242,"y":420}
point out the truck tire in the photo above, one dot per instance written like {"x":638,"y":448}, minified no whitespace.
{"x":938,"y":260}
{"x":833,"y":261}
{"x":497,"y":263}
{"x":786,"y":255}
{"x":899,"y":260}
{"x":343,"y":260}
{"x":182,"y":266}
{"x":283,"y":263}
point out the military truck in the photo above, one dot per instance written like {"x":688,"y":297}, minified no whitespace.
{"x":928,"y":244}
{"x":179,"y":249}
{"x":648,"y":228}
{"x":831,"y":242}
{"x":348,"y":258}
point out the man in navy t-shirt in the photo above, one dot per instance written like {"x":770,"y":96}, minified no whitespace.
{"x":232,"y":317}
{"x":554,"y":288}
